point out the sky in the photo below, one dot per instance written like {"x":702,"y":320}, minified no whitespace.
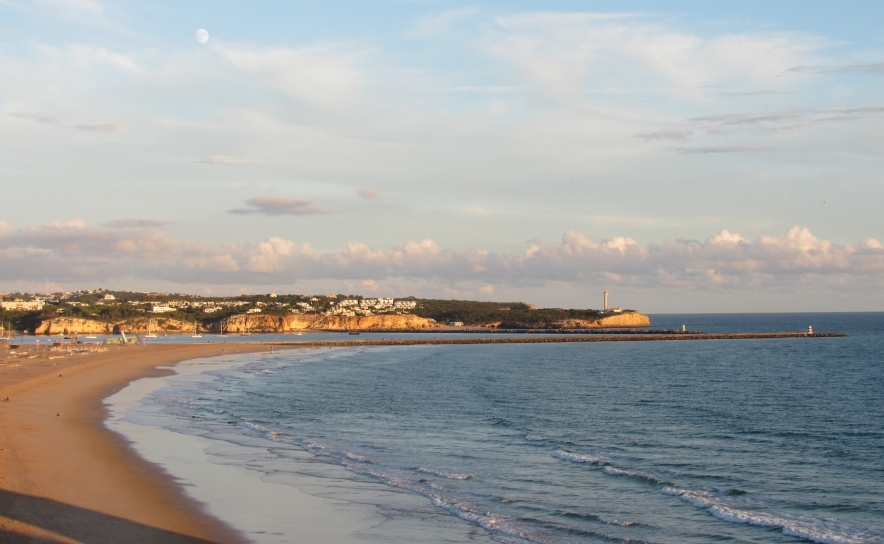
{"x":685,"y":156}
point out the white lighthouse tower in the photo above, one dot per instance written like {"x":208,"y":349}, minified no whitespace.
{"x":606,"y":300}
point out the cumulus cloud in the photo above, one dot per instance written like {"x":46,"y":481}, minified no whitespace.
{"x":227,"y":160}
{"x":276,"y":205}
{"x":76,"y":251}
{"x":368,"y":192}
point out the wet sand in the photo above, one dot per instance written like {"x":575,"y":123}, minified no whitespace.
{"x":64,"y":477}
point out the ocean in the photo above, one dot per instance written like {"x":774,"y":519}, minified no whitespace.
{"x":670,"y":442}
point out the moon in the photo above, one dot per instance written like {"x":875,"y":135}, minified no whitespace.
{"x":202,"y":36}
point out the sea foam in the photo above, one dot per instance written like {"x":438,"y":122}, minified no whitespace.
{"x":576,"y":457}
{"x":823,"y":531}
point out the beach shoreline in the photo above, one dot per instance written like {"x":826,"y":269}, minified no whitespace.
{"x":66,"y":477}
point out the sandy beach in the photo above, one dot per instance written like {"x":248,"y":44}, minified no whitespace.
{"x":64,"y":477}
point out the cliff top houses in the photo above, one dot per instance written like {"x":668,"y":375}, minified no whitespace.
{"x":351,"y":307}
{"x":122,"y":304}
{"x":19,"y":305}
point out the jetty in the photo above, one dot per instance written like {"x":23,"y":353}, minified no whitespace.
{"x":556,"y":339}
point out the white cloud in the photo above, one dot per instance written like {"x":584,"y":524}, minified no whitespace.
{"x":668,"y":134}
{"x":66,"y":122}
{"x":328,"y":76}
{"x":566,"y":53}
{"x":138,"y":223}
{"x":874,"y":69}
{"x":87,"y":55}
{"x":716,"y":149}
{"x":441,"y":23}
{"x":88,"y":6}
{"x":227,"y":160}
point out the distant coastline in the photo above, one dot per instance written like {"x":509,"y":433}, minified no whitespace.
{"x":109,"y":312}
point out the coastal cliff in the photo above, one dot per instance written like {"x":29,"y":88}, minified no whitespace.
{"x":625,"y":320}
{"x":73,"y":325}
{"x":236,"y":324}
{"x":296,"y":322}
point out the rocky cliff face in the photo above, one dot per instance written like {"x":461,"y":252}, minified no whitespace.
{"x":295,"y":322}
{"x":70,"y":325}
{"x":625,"y":320}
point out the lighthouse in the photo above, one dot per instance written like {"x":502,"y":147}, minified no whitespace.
{"x":606,"y":300}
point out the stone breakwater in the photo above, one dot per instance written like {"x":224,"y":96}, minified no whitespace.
{"x":555,"y":339}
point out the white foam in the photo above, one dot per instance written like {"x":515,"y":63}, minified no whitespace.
{"x":359,"y":458}
{"x":576,"y":457}
{"x":446,"y":475}
{"x":822,"y":531}
{"x":498,"y":525}
{"x":617,"y":522}
{"x":305,"y":506}
{"x":613,"y":471}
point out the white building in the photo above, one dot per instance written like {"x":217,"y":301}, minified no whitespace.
{"x":377,"y":303}
{"x":405,"y":304}
{"x":22,"y":305}
{"x":109,"y":297}
{"x":161,"y":309}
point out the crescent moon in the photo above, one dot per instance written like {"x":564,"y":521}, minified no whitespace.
{"x":202,"y":36}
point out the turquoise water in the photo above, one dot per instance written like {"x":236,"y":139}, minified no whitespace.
{"x":706,"y":441}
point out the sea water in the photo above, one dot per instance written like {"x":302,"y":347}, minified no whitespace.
{"x":773,"y":440}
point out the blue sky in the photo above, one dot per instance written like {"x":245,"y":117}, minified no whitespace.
{"x":688,"y":156}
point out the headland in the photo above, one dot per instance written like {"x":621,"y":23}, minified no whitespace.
{"x":109,"y":312}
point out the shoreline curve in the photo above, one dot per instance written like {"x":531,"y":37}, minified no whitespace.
{"x":66,"y":477}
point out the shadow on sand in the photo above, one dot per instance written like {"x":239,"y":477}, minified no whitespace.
{"x":53,"y":521}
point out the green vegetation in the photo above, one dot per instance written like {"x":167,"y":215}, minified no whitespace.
{"x":115,"y":306}
{"x":509,"y":314}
